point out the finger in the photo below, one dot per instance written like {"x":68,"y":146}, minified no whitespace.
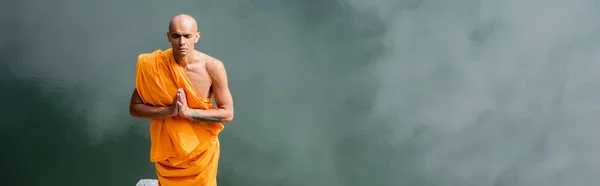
{"x":183,"y":102}
{"x":182,"y":97}
{"x":177,"y":96}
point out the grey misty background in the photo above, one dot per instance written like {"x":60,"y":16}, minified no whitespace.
{"x":379,"y":92}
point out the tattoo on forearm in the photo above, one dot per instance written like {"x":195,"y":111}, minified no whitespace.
{"x":200,"y":118}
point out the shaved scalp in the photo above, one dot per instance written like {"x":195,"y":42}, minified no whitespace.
{"x":183,"y":35}
{"x":185,"y":21}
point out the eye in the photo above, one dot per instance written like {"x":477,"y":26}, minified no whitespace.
{"x":175,"y":36}
{"x":188,"y":35}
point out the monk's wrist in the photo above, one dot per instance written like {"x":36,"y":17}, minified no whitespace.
{"x":187,"y":114}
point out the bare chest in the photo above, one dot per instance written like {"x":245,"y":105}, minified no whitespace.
{"x":199,"y":78}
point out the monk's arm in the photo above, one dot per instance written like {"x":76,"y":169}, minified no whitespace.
{"x":138,"y":109}
{"x":213,"y":115}
{"x":222,"y":95}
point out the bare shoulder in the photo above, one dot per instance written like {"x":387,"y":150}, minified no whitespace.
{"x":213,"y":65}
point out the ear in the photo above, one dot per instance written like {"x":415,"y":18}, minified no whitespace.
{"x":168,"y":37}
{"x":197,"y":37}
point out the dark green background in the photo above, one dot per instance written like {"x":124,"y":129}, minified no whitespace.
{"x":411,"y":92}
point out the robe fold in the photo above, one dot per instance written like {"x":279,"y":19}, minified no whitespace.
{"x":185,"y":152}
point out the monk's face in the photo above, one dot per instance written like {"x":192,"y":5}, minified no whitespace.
{"x":183,"y":35}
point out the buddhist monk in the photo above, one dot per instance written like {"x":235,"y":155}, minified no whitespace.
{"x":174,"y":90}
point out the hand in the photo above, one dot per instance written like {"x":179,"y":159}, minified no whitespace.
{"x":174,"y":107}
{"x":184,"y":110}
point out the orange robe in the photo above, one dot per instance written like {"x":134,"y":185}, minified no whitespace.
{"x":185,"y":152}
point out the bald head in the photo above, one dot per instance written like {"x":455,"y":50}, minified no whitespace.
{"x":183,"y":34}
{"x":183,"y":21}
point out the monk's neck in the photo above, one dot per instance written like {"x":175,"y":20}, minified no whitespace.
{"x":183,"y":60}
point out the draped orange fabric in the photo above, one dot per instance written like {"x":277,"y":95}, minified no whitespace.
{"x":185,"y":152}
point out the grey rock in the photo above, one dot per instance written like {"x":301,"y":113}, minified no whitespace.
{"x":147,"y":182}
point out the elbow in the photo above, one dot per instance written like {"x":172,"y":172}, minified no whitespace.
{"x":226,"y":120}
{"x":228,"y":117}
{"x":133,"y":113}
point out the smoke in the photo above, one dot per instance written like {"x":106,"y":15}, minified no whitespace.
{"x":382,"y":92}
{"x":490,"y":92}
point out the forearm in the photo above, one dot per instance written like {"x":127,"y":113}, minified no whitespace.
{"x":150,"y":112}
{"x":212,"y":115}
